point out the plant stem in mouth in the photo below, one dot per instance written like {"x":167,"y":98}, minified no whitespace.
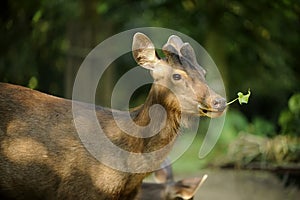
{"x":231,"y":101}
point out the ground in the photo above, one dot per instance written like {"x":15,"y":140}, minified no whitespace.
{"x":244,"y":185}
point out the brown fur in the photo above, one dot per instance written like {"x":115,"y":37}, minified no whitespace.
{"x":42,"y":154}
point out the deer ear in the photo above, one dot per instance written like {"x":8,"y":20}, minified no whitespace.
{"x":188,"y":187}
{"x":188,"y":52}
{"x":165,"y":174}
{"x":143,"y":51}
{"x":175,"y":41}
{"x":160,"y":176}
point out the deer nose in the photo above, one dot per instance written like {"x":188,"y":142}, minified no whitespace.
{"x":219,"y":103}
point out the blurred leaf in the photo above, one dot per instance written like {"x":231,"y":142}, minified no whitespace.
{"x":289,"y":119}
{"x":37,"y":16}
{"x":294,"y":104}
{"x":33,"y":83}
{"x":102,"y":8}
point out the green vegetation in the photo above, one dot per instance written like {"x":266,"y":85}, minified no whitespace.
{"x":246,"y":143}
{"x":289,"y":119}
{"x":254,"y":44}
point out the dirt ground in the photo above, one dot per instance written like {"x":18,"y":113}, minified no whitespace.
{"x":243,"y":185}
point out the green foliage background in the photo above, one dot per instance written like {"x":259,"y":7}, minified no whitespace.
{"x":255,"y":45}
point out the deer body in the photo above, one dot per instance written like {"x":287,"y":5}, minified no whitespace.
{"x":45,"y":145}
{"x":39,"y":138}
{"x":42,"y":157}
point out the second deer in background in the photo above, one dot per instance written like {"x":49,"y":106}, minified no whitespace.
{"x":167,"y":188}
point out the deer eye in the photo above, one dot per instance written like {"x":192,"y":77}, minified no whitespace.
{"x":176,"y":77}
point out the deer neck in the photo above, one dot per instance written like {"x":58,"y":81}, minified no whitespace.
{"x":162,"y":126}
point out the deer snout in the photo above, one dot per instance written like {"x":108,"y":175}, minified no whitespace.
{"x":219,"y":103}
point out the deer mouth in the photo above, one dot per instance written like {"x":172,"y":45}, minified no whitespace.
{"x":209,"y":112}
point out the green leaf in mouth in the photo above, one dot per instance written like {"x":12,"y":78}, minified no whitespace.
{"x":242,"y":98}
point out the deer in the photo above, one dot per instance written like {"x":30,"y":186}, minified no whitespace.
{"x":166,"y":188}
{"x":42,"y":156}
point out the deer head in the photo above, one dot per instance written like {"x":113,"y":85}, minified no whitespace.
{"x":167,"y":188}
{"x":180,"y":72}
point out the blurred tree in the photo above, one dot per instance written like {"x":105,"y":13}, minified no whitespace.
{"x":33,"y":43}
